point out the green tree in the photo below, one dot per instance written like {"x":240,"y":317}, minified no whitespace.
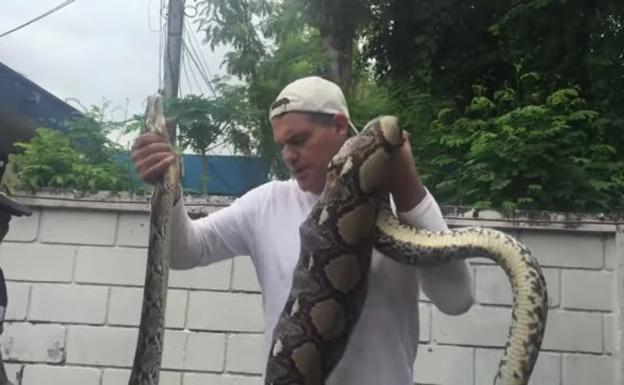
{"x":521,"y":148}
{"x":204,"y":123}
{"x":80,"y":157}
{"x":52,"y":160}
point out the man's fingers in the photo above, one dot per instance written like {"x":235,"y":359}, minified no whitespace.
{"x":147,"y":138}
{"x":140,"y":153}
{"x":153,"y":167}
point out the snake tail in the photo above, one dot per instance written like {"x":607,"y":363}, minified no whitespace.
{"x":530,"y":299}
{"x":150,"y":342}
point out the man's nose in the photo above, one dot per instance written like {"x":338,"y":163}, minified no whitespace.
{"x":290,"y":154}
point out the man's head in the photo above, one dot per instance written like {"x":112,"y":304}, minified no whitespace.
{"x":310,"y":121}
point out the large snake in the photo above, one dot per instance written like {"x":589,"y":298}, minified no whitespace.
{"x":149,"y":348}
{"x":330,"y":278}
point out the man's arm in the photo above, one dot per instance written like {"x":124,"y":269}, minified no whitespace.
{"x":193,"y":242}
{"x":449,"y":286}
{"x":213,"y":238}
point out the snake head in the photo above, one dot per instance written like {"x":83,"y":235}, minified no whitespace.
{"x":154,"y":120}
{"x":361,"y":164}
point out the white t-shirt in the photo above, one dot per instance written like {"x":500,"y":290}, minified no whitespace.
{"x":264,"y":224}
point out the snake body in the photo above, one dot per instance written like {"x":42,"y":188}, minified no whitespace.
{"x":330,"y":279}
{"x":149,"y":348}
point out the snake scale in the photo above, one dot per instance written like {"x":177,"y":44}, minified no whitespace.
{"x":330,"y":278}
{"x":149,"y":348}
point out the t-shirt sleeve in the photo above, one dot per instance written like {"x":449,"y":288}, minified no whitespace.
{"x":449,"y":286}
{"x":218,"y":236}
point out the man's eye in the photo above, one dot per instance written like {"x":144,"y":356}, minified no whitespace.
{"x":298,"y":141}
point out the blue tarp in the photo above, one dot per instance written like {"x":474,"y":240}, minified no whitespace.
{"x":227,"y":175}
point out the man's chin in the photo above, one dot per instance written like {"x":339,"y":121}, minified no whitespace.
{"x":306,"y":186}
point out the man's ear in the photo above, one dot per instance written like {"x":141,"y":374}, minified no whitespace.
{"x":342,"y":124}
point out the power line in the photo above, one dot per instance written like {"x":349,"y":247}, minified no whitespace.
{"x":51,"y":11}
{"x":201,"y":59}
{"x":199,"y":63}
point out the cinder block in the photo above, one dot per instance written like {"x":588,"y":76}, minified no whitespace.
{"x":133,"y":230}
{"x":244,"y":277}
{"x":126,"y":302}
{"x":562,"y":332}
{"x":173,"y":352}
{"x":493,"y":287}
{"x":588,"y":290}
{"x":546,"y":371}
{"x":216,"y":311}
{"x":220,"y":379}
{"x":480,"y":326}
{"x":81,"y":227}
{"x":101,"y":346}
{"x":68,"y":303}
{"x":215,"y":276}
{"x":580,"y":369}
{"x":66,"y":375}
{"x":121,"y":377}
{"x":23,"y":229}
{"x":33,"y":343}
{"x":245,"y":353}
{"x":19,"y":297}
{"x":205,"y":352}
{"x":565,"y":249}
{"x":113,"y":266}
{"x":610,"y":251}
{"x":609,"y":333}
{"x":35,"y":262}
{"x":14,"y":372}
{"x":444,"y":365}
{"x":424,"y":315}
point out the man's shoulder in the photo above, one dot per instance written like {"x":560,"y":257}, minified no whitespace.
{"x":271,"y":190}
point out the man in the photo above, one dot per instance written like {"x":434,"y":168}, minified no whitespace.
{"x":8,"y":209}
{"x":310,"y":122}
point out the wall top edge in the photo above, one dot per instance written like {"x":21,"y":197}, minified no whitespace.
{"x":198,"y":206}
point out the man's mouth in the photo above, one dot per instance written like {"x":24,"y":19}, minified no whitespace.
{"x":298,"y":172}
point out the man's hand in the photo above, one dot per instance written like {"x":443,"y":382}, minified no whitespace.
{"x":151,"y":155}
{"x":405,"y":185}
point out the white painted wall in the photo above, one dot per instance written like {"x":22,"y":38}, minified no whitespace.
{"x":75,"y":272}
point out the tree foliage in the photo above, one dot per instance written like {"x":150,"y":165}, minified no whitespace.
{"x":462,"y":77}
{"x":522,"y":148}
{"x":81,"y":158}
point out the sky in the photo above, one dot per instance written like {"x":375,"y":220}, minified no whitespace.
{"x":96,"y":51}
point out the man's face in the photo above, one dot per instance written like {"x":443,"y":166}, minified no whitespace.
{"x":308,"y":147}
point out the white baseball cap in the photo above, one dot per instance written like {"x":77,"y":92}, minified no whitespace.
{"x":311,"y":94}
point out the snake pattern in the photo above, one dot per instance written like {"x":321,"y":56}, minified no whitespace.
{"x":330,"y":278}
{"x":149,"y":348}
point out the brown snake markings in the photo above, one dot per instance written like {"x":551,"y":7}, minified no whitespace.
{"x":149,"y":348}
{"x":330,"y":279}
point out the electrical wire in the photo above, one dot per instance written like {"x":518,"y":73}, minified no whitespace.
{"x":190,"y":70}
{"x":199,"y":64}
{"x":201,"y":59}
{"x":29,"y":22}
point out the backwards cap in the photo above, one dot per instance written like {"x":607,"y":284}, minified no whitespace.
{"x":311,"y":94}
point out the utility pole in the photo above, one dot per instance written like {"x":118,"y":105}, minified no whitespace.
{"x":173,"y":54}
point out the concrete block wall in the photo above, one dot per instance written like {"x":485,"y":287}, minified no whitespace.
{"x":75,"y":273}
